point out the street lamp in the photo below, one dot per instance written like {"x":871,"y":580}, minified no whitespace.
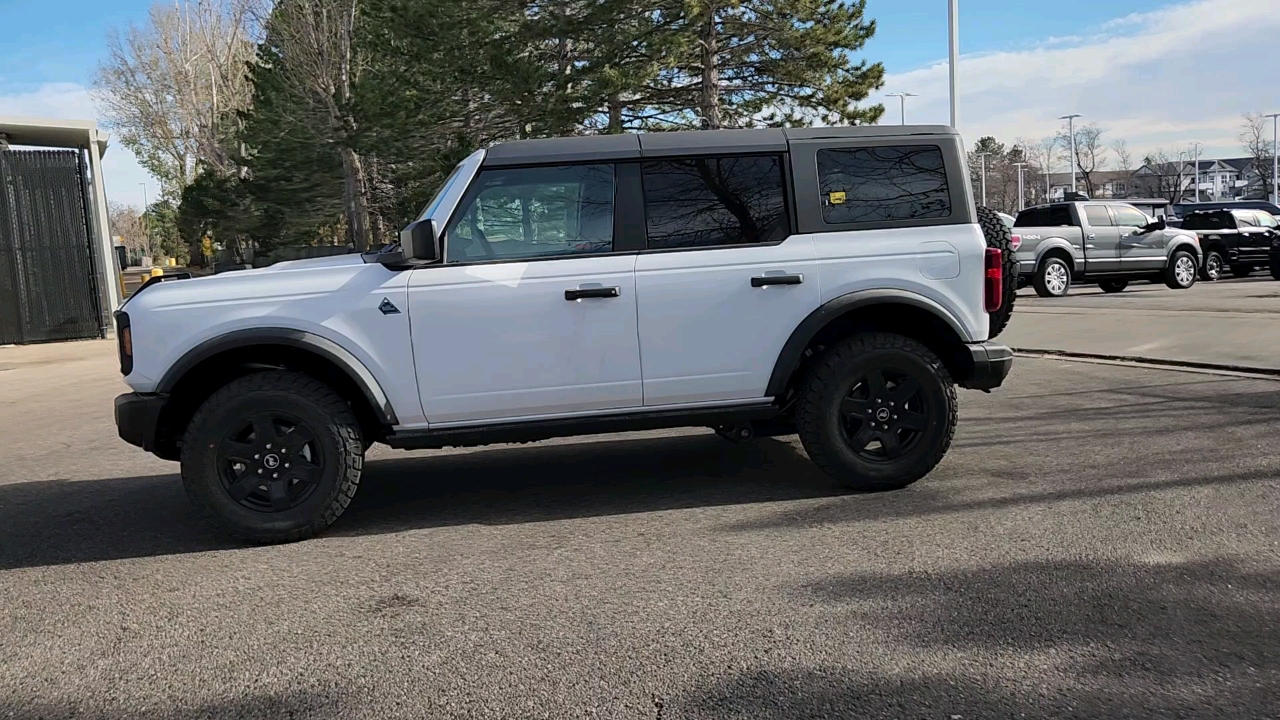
{"x":1275,"y":160}
{"x":1071,"y":130}
{"x":1197,"y":161}
{"x":1021,"y":201}
{"x":902,"y":97}
{"x":953,"y":55}
{"x":984,"y":175}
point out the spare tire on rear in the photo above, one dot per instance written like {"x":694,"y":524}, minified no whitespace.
{"x":998,"y":236}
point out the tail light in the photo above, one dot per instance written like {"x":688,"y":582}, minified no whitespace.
{"x":995,"y":279}
{"x":1015,"y":242}
{"x":124,"y":340}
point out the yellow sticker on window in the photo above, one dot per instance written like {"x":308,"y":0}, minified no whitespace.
{"x":837,"y":198}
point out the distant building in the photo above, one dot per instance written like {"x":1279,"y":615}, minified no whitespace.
{"x":1223,"y":179}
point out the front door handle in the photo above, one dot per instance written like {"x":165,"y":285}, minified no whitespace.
{"x":1091,"y":236}
{"x":591,"y":292}
{"x":763,"y":280}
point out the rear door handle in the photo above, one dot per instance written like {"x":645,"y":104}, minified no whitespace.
{"x":583,"y":293}
{"x":763,"y":280}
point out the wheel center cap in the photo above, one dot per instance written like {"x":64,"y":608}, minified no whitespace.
{"x":271,"y":461}
{"x":882,"y":414}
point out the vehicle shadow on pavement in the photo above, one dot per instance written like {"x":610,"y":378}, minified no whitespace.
{"x":1079,"y":639}
{"x":56,"y":522}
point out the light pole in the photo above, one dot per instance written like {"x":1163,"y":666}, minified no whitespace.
{"x":1021,"y":201}
{"x":902,"y":97}
{"x":953,"y":55}
{"x":145,"y":202}
{"x":1275,"y":161}
{"x":984,"y":175}
{"x":1197,"y":162}
{"x":1071,"y":130}
{"x":1048,"y":163}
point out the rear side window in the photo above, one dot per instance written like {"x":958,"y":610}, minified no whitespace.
{"x":711,"y":202}
{"x":1098,"y":216}
{"x":883,"y":184}
{"x":1207,"y":221}
{"x":1057,"y":216}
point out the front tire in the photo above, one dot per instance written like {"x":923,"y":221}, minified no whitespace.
{"x":1053,"y":279}
{"x":1213,"y":264}
{"x":1113,"y":286}
{"x":877,"y":412}
{"x":273,"y":457}
{"x":1181,"y":272}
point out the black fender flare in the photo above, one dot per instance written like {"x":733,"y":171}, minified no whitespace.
{"x":301,"y":339}
{"x":793,"y":351}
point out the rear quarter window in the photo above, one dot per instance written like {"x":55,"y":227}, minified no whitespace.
{"x":883,"y":184}
{"x":1207,"y":221}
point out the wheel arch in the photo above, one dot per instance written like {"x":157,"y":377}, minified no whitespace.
{"x":211,"y":364}
{"x":1185,"y":243}
{"x":1060,"y":249}
{"x":896,"y":311}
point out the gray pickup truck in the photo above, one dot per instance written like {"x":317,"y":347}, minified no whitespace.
{"x":1110,"y":243}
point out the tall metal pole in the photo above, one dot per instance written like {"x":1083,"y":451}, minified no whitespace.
{"x":1071,"y":130}
{"x":1275,"y":158}
{"x":902,"y":98}
{"x":953,"y":57}
{"x":1197,"y":161}
{"x":1021,"y":197}
{"x":1048,"y":163}
{"x":984,"y":176}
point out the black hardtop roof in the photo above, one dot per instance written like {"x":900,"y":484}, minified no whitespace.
{"x":632,"y":146}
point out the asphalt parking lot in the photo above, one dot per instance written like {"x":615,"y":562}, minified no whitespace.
{"x":1102,"y":541}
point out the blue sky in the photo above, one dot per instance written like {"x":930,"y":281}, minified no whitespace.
{"x":1157,"y":73}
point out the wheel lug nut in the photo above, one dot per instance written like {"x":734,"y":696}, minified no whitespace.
{"x":257,"y":457}
{"x":275,"y":475}
{"x":259,"y":471}
{"x":268,"y":446}
{"x":287,"y":464}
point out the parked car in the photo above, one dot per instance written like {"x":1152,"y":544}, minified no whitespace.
{"x":830,"y":282}
{"x":1239,"y":239}
{"x":1108,"y":242}
{"x":1181,"y":209}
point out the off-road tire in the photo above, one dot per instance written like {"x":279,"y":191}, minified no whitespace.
{"x":998,"y":236}
{"x":1171,"y":272}
{"x":1113,"y":286}
{"x":828,"y":383}
{"x":1241,"y":271}
{"x":336,"y":431}
{"x":1211,"y":271}
{"x":1042,"y":288}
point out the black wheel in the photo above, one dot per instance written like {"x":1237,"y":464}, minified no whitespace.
{"x":1053,"y":279}
{"x":1181,"y":272}
{"x":1241,"y":271}
{"x":1275,"y":268}
{"x":877,"y":412}
{"x":1113,"y":286}
{"x":998,"y":236}
{"x":1213,"y":264}
{"x":273,"y":457}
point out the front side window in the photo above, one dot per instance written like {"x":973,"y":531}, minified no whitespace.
{"x":883,"y":184}
{"x":1267,"y":220}
{"x":1129,"y":217}
{"x":1097,"y":215}
{"x":1245,"y":219}
{"x":534,"y":212}
{"x":710,"y":202}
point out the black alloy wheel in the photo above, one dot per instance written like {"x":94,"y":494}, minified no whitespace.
{"x":271,"y":462}
{"x":884,"y":414}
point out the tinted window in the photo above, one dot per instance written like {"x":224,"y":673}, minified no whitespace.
{"x":883,"y":184}
{"x":1054,"y":216}
{"x":1129,"y":217}
{"x":707,"y":202}
{"x":534,"y":212}
{"x":1207,"y":221}
{"x":1097,"y":215}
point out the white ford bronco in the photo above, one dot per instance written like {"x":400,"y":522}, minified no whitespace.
{"x":835,"y":283}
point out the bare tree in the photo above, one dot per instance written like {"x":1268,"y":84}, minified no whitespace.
{"x":127,"y":224}
{"x":1160,"y":176}
{"x":172,"y":88}
{"x":1091,"y":154}
{"x":1039,"y":154}
{"x":1124,"y":156}
{"x":1256,"y":142}
{"x":315,"y":43}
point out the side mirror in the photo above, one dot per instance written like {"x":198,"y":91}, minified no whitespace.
{"x":1159,"y":224}
{"x":419,"y":241}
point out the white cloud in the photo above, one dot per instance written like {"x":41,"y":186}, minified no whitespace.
{"x":69,"y":101}
{"x":1165,"y":78}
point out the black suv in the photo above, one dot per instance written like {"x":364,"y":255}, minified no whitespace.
{"x":1181,"y":210}
{"x":1240,"y":239}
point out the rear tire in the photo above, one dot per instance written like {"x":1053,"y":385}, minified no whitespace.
{"x":1113,"y":286}
{"x":1241,"y":271}
{"x":1181,"y":272}
{"x":1213,"y":264}
{"x":1053,"y":278}
{"x":998,"y":236}
{"x":273,"y":457}
{"x":877,"y":412}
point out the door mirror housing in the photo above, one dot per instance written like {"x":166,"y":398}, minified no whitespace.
{"x":419,"y":245}
{"x":1159,"y":224}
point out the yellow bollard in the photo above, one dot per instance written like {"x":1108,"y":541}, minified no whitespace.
{"x":157,"y":271}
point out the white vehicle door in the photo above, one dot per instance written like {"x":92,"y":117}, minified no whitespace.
{"x":723,"y":283}
{"x":531,"y":314}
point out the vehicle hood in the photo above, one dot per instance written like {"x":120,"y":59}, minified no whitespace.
{"x":291,"y":278}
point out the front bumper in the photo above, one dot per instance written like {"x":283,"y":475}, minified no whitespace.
{"x":138,"y":416}
{"x":991,"y":365}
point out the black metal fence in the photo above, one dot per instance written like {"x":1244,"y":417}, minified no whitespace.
{"x":48,"y":284}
